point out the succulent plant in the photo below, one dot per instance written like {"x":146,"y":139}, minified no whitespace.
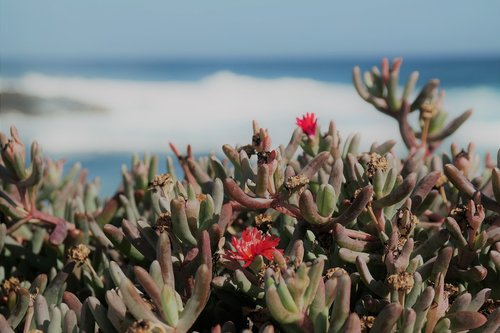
{"x":312,"y":236}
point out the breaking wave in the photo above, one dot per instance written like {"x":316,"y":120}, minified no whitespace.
{"x":145,"y":116}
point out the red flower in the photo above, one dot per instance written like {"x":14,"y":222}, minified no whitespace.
{"x":308,"y":124}
{"x":251,"y":244}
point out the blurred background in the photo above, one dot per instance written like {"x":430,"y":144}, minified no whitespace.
{"x":95,"y":81}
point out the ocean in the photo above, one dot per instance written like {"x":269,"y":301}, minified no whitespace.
{"x":101,"y":111}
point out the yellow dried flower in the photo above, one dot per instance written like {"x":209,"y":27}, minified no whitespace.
{"x":10,"y":284}
{"x":296,"y":181}
{"x":376,"y":163}
{"x":201,"y":197}
{"x":367,"y":323}
{"x":451,"y":290}
{"x":403,"y":281}
{"x":162,"y":180}
{"x":263,"y":219}
{"x":334,"y":271}
{"x":489,"y":306}
{"x":79,"y":253}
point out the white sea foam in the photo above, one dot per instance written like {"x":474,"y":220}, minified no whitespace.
{"x":145,"y":116}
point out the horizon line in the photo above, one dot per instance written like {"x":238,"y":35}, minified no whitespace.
{"x":250,"y":58}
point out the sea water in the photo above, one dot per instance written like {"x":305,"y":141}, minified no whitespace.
{"x":207,"y":103}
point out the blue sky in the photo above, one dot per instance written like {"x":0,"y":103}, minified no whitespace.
{"x":174,"y":29}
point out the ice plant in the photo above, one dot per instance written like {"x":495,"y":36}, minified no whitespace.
{"x":251,"y":244}
{"x":372,"y":242}
{"x":308,"y":124}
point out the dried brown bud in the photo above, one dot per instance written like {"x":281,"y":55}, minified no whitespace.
{"x":367,"y":323}
{"x":201,"y":197}
{"x":489,"y":306}
{"x":397,"y":248}
{"x":266,"y":157}
{"x":376,"y":163}
{"x":272,"y":265}
{"x":459,"y":212}
{"x":248,"y":149}
{"x":256,"y":140}
{"x":79,"y":253}
{"x":296,"y":181}
{"x":334,"y":271}
{"x":10,"y":284}
{"x":34,"y":295}
{"x":405,"y":221}
{"x":263,"y":220}
{"x":163,"y":223}
{"x":145,"y":326}
{"x":355,"y":195}
{"x":451,"y":291}
{"x":149,"y":304}
{"x":162,"y":180}
{"x":468,"y":217}
{"x":402,"y":281}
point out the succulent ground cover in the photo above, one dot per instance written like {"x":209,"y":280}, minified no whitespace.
{"x":312,"y":236}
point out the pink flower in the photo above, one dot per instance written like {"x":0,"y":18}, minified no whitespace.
{"x":251,"y":244}
{"x":308,"y":124}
